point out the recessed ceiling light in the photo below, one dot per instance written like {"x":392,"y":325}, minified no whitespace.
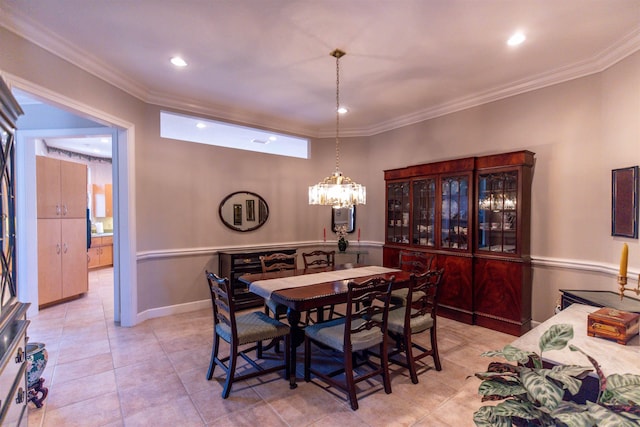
{"x":516,"y":39}
{"x":272,"y":138}
{"x":178,"y":62}
{"x":201,"y":125}
{"x":342,"y":110}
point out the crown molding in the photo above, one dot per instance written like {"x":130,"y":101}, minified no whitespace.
{"x":27,"y":28}
{"x":605,"y":59}
{"x":23,"y":26}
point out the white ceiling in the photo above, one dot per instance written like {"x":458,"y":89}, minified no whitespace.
{"x":267,"y":63}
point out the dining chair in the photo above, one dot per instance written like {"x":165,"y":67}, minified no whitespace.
{"x":418,"y":316}
{"x":414,"y":262}
{"x":358,"y":331}
{"x":239,"y":330}
{"x":277,"y":262}
{"x":319,"y":259}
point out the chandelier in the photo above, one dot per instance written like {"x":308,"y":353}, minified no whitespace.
{"x":337,"y":190}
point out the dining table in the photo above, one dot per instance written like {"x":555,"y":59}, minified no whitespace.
{"x":305,"y":289}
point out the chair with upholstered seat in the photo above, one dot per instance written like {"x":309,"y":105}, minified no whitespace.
{"x":316,"y":260}
{"x":358,"y":331}
{"x":414,"y":262}
{"x":419,"y":315}
{"x":240,"y":330}
{"x":276,"y":262}
{"x":319,"y":259}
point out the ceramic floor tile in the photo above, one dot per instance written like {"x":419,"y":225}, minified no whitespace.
{"x":344,"y":417}
{"x":98,"y":411}
{"x":155,"y":368}
{"x":179,"y":412}
{"x":247,"y":418}
{"x":134,"y":353}
{"x":78,"y":390}
{"x":212,"y":407}
{"x":195,"y":380}
{"x":194,"y":358}
{"x":155,"y":392}
{"x":82,"y":368}
{"x":306,"y":404}
{"x":70,"y":352}
{"x":186,"y":341}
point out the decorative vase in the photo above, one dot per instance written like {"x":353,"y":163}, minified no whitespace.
{"x":343,"y":244}
{"x":37,"y":357}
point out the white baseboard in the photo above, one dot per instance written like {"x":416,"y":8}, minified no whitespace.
{"x":173,"y":309}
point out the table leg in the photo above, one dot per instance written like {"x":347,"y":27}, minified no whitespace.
{"x":297,"y":338}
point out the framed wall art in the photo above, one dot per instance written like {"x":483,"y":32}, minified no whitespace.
{"x":251,"y":210}
{"x":624,"y":202}
{"x":237,"y":214}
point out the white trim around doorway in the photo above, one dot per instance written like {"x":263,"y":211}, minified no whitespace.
{"x":125,"y":265}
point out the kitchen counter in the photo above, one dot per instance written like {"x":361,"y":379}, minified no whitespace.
{"x":102,"y":234}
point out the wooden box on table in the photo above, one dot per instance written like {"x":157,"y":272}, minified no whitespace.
{"x":613,"y":324}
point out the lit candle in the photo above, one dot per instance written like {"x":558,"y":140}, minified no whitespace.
{"x":623,"y":260}
{"x":358,"y":234}
{"x":324,"y":234}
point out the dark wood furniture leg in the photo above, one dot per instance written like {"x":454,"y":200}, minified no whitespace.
{"x":297,"y":338}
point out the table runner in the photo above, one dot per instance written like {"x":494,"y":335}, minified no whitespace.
{"x":264,"y":288}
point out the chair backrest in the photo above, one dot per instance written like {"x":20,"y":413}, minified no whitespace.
{"x":367,"y":306}
{"x":415,"y":262}
{"x":424,"y":293}
{"x":319,"y":259}
{"x":224,"y":306}
{"x":278,"y":262}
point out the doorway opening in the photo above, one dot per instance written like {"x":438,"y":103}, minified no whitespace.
{"x":29,"y":131}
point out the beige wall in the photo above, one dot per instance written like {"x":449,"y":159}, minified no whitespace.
{"x":579,"y":130}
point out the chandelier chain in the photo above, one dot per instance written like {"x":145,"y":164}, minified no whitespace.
{"x":337,"y":112}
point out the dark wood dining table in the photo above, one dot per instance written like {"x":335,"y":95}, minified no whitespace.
{"x":299,"y":299}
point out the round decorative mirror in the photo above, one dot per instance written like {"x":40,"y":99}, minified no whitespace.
{"x":243,"y":211}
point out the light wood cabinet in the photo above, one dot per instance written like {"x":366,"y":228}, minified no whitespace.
{"x":102,"y":200}
{"x":62,"y":229}
{"x":108,"y":200}
{"x":101,"y":252}
{"x":62,"y":267}
{"x":62,"y":188}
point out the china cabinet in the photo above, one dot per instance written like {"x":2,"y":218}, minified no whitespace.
{"x":428,"y":209}
{"x":473,"y":215}
{"x":502,"y":265}
{"x":13,"y":313}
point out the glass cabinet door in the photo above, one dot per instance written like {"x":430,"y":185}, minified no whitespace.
{"x":497,"y":214}
{"x":398,"y":208}
{"x":424,"y":208}
{"x":455,"y":213}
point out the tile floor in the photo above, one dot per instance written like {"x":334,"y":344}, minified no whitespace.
{"x":100,"y":374}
